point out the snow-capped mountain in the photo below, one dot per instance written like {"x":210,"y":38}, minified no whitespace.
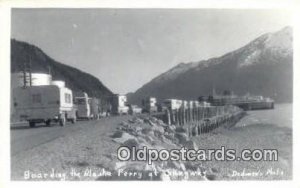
{"x":262,"y":67}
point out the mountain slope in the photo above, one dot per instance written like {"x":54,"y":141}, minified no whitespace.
{"x":40,"y":62}
{"x":262,"y":67}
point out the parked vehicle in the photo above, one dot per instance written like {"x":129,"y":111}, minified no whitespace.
{"x":43,"y":104}
{"x":134,"y":109}
{"x":149,"y":105}
{"x":83,"y":107}
{"x":119,"y":105}
{"x":173,"y":104}
{"x":95,"y":108}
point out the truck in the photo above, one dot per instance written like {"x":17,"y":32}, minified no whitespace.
{"x":134,"y":109}
{"x":119,"y":105}
{"x":149,"y":105}
{"x":44,"y":104}
{"x":95,"y":105}
{"x":83,"y":106}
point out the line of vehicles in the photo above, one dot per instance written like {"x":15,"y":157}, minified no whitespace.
{"x":45,"y":101}
{"x":50,"y":101}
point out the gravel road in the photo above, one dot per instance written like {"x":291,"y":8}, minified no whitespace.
{"x":24,"y":138}
{"x":42,"y":148}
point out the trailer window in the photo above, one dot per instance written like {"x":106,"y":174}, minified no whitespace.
{"x":67,"y":98}
{"x":36,"y":98}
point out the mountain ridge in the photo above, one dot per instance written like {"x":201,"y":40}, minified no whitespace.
{"x":75,"y":79}
{"x":258,"y":55}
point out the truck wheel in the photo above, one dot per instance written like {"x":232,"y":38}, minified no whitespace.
{"x":62,"y":121}
{"x":31,"y":124}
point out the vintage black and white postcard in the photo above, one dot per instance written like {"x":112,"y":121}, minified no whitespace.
{"x":142,"y":93}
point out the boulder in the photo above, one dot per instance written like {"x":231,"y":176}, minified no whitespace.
{"x":168,"y":129}
{"x":135,"y":120}
{"x":160,"y":123}
{"x":210,"y":177}
{"x":191,"y":166}
{"x":158,"y":128}
{"x":190,"y":145}
{"x":214,"y":170}
{"x":173,"y":164}
{"x":153,"y":119}
{"x":182,"y":137}
{"x":117,"y":134}
{"x":131,"y":143}
{"x":173,"y":127}
{"x":124,"y":124}
{"x":172,"y":138}
{"x":149,"y":122}
{"x":125,"y":136}
{"x":157,"y":134}
{"x":180,"y":130}
{"x":149,"y":139}
{"x":147,"y":131}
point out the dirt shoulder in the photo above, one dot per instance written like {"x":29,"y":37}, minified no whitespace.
{"x":255,"y":136}
{"x":91,"y":153}
{"x":86,"y":147}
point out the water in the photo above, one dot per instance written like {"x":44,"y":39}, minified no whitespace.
{"x":281,"y":115}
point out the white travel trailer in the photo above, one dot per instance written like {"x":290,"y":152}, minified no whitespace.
{"x":134,"y":109}
{"x":44,"y":103}
{"x":119,"y":105}
{"x":150,"y":105}
{"x":83,"y":107}
{"x":95,"y":105}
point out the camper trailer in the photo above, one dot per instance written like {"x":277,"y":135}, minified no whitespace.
{"x":173,"y":104}
{"x":95,"y":108}
{"x":119,"y":104}
{"x":149,"y":105}
{"x":83,"y":106}
{"x":134,"y":109}
{"x":45,"y":103}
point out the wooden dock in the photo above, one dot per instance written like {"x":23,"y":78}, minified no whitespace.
{"x":201,"y":120}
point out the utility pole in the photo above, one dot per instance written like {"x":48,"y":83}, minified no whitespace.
{"x":29,"y":70}
{"x":27,"y":76}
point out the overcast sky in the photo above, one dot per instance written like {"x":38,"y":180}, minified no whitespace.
{"x":126,"y":48}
